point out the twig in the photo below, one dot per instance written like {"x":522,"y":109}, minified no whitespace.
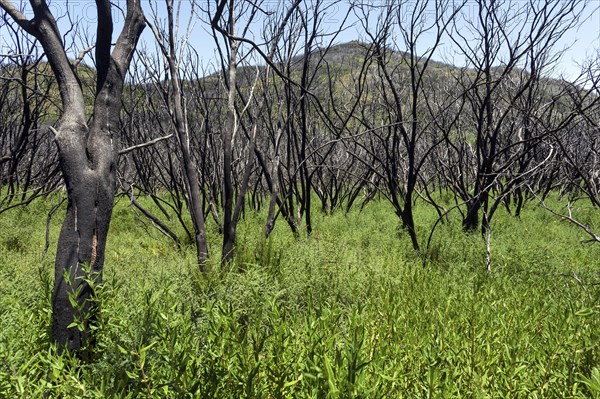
{"x":147,"y":144}
{"x":488,"y":244}
{"x":581,"y":284}
{"x":595,"y":237}
{"x":52,"y":210}
{"x":82,"y":54}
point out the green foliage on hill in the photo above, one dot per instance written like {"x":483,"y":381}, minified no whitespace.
{"x":341,"y":63}
{"x":350,"y":311}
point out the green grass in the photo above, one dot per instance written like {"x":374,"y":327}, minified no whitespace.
{"x":350,"y":312}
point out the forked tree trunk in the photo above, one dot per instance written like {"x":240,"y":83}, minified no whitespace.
{"x":81,"y":244}
{"x":87,"y":157}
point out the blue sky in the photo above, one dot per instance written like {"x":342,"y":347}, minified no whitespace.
{"x":582,"y":42}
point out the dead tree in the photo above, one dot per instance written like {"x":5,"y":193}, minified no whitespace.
{"x":167,"y":43}
{"x":397,"y":151}
{"x":239,"y":104}
{"x":87,"y":155}
{"x":505,"y":59}
{"x":28,"y":161}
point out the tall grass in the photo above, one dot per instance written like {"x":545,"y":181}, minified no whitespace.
{"x":349,"y":312}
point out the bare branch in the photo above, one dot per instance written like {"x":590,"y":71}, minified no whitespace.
{"x":82,"y":54}
{"x":26,"y":24}
{"x":146,"y":144}
{"x":569,"y":217}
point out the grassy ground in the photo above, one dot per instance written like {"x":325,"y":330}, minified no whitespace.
{"x":350,"y":312}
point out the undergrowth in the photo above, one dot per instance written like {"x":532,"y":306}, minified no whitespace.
{"x":349,"y":312}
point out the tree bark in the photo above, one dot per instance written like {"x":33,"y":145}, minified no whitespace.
{"x":228,"y":135}
{"x":471,"y":220}
{"x":87,"y":156}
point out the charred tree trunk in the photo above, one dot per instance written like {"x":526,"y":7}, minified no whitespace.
{"x":471,"y":219}
{"x":81,"y":244}
{"x":408,"y":222}
{"x":228,"y":136}
{"x":87,"y":156}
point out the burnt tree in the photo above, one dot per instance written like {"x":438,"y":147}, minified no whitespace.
{"x":87,"y":154}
